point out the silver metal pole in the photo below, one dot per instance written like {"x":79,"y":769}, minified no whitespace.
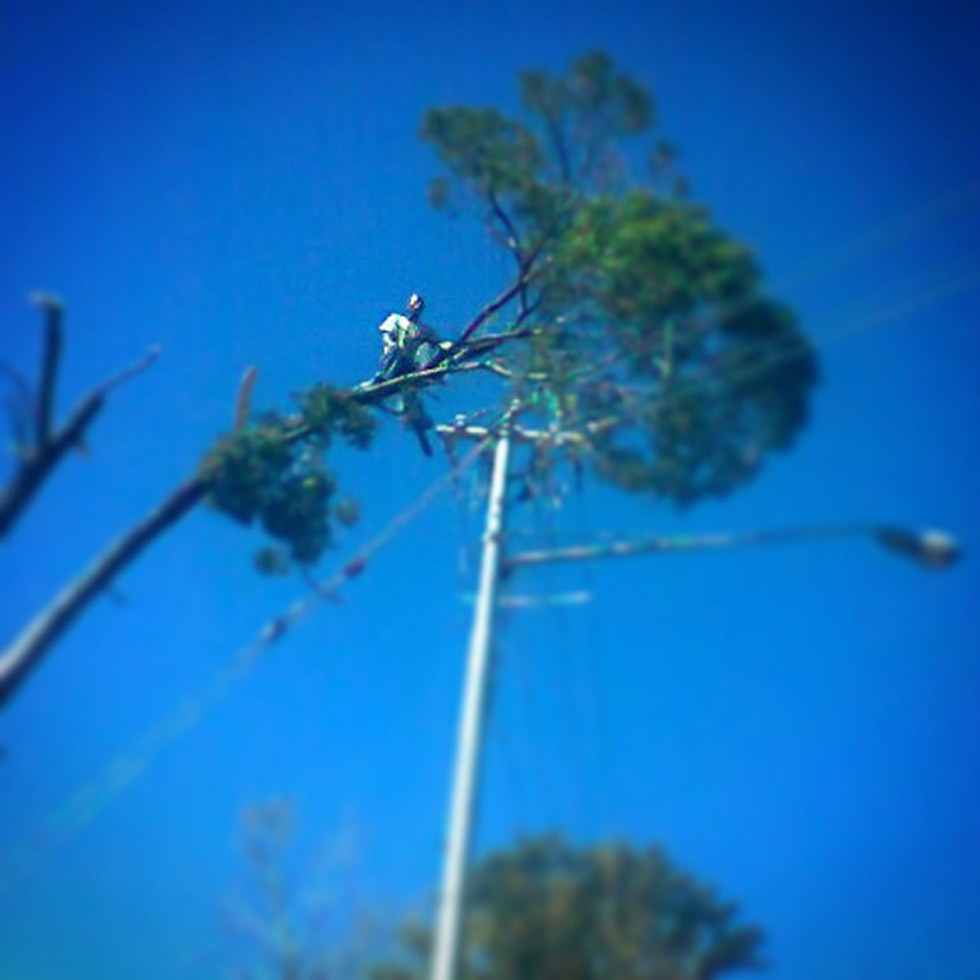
{"x":697,"y":542}
{"x":931,"y":548}
{"x":446,"y":955}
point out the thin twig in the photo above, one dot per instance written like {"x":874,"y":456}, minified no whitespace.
{"x":37,"y":464}
{"x":50,"y":361}
{"x":527,"y":274}
{"x":513,"y":240}
{"x":130,"y":371}
{"x":20,"y":384}
{"x":243,"y":400}
{"x":494,"y":367}
{"x":553,"y":127}
{"x":35,"y":467}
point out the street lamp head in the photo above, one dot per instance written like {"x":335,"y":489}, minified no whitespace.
{"x":934,"y":549}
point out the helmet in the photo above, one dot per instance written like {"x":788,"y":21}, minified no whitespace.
{"x":415,"y":304}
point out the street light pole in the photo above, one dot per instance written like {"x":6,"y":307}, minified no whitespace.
{"x":934,"y":549}
{"x":448,"y":926}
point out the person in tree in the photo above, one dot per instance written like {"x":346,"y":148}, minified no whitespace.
{"x":408,"y":346}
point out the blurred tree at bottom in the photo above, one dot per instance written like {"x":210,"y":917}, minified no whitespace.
{"x":289,"y":918}
{"x":549,"y":910}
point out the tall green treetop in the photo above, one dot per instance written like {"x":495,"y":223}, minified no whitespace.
{"x":650,"y":332}
{"x":546,"y":909}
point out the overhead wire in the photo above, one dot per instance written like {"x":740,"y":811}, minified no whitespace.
{"x":849,"y":323}
{"x":596,"y":653}
{"x":947,"y":287}
{"x":948,"y":205}
{"x":514,"y":715}
{"x":564,"y":694}
{"x":535,"y":664}
{"x":505,"y":732}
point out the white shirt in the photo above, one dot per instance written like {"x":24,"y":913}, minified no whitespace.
{"x":394,"y":330}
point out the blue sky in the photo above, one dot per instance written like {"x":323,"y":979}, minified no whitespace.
{"x":243,"y":184}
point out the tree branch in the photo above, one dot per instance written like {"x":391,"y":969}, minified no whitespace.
{"x":50,"y":447}
{"x":558,"y":144}
{"x":372,"y":393}
{"x":27,"y":649}
{"x":502,"y":372}
{"x":35,"y":468}
{"x":458,"y":360}
{"x":130,"y":371}
{"x":243,"y":400}
{"x":50,"y":360}
{"x":527,"y":274}
{"x":513,"y":239}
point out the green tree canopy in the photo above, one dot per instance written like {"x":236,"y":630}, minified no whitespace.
{"x":547,"y":910}
{"x":649,"y":330}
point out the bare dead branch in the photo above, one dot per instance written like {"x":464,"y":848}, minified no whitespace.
{"x":27,"y":650}
{"x":243,"y":402}
{"x":38,"y":461}
{"x":130,"y":371}
{"x":35,"y":467}
{"x":50,"y":361}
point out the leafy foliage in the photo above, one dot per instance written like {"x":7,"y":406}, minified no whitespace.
{"x":274,"y":472}
{"x":550,"y":911}
{"x":651,"y":334}
{"x":326,"y":410}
